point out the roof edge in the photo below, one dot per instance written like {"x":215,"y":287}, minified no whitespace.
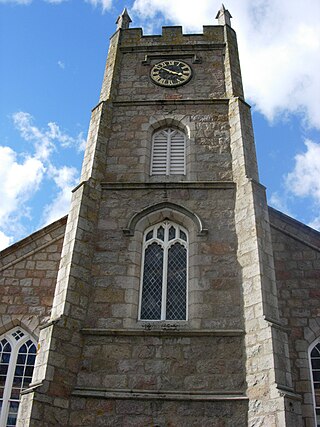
{"x":294,"y":228}
{"x":34,"y":236}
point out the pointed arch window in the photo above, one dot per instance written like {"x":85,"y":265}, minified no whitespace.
{"x":315,"y":371}
{"x":168,"y":152}
{"x":164,"y":273}
{"x":17,"y":358}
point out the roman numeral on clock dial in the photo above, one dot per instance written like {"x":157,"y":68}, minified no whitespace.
{"x":171,"y":73}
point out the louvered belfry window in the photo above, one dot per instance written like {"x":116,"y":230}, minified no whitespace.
{"x":168,"y":152}
{"x":164,"y":273}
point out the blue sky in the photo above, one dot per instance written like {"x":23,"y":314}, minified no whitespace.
{"x":53,"y":54}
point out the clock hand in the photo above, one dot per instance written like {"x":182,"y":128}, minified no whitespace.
{"x":171,"y":71}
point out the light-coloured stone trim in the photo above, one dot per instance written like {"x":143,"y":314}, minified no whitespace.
{"x":294,"y":229}
{"x":164,"y":332}
{"x":205,"y":101}
{"x":38,"y":238}
{"x":194,"y":185}
{"x":164,"y":208}
{"x":163,"y":394}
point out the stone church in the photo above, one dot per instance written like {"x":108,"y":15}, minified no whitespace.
{"x":171,"y":295}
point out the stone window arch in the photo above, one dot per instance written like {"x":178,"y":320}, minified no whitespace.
{"x":164,"y":273}
{"x":168,"y":154}
{"x":17,"y":359}
{"x":314,"y":358}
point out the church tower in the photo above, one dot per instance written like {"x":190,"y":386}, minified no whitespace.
{"x":165,"y":311}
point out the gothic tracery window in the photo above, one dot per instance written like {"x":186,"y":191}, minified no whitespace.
{"x":168,"y":152}
{"x":17,"y":358}
{"x":315,"y":368}
{"x":164,"y":273}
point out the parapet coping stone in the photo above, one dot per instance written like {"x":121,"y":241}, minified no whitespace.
{"x":32,"y":238}
{"x":294,"y":229}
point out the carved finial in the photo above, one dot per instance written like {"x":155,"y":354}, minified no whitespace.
{"x":123,"y":20}
{"x":224,"y":16}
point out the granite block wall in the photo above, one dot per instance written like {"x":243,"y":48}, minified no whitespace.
{"x":296,"y":249}
{"x":28,"y":274}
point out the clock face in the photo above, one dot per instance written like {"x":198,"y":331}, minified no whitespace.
{"x":171,"y":73}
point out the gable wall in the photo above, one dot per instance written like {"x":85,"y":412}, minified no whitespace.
{"x":297,"y":264}
{"x":28,"y":273}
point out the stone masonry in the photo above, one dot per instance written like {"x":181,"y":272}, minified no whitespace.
{"x":241,"y":356}
{"x":28,"y":277}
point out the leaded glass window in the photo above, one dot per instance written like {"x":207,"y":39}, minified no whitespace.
{"x":164,"y":273}
{"x":315,"y":368}
{"x":168,"y":152}
{"x":17,"y":358}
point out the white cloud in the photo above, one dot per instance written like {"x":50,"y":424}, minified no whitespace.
{"x":65,"y":178}
{"x":19,"y":181}
{"x":179,"y":12}
{"x":5,"y":240}
{"x":279,"y":47}
{"x":280,"y":69}
{"x":45,"y":140}
{"x":22,"y":175}
{"x":304,"y":180}
{"x":105,"y":4}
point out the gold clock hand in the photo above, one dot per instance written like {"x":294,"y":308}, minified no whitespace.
{"x":171,"y":71}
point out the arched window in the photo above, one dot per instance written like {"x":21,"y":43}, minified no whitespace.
{"x":168,"y":152}
{"x":17,"y":357}
{"x":164,"y":273}
{"x":315,"y":370}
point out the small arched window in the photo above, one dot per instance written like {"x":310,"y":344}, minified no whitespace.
{"x":164,"y":273}
{"x":168,"y":152}
{"x":17,"y":358}
{"x":315,"y":370}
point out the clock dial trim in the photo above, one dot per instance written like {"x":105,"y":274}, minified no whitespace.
{"x":171,"y":73}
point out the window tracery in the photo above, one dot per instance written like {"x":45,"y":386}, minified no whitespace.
{"x":164,"y":273}
{"x":17,"y":359}
{"x":315,"y":371}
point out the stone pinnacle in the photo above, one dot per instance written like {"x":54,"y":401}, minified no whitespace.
{"x":224,"y":16}
{"x":123,"y":20}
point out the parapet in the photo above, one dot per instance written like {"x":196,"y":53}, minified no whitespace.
{"x":172,"y":35}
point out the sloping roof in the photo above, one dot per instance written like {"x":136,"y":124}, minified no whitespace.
{"x":33,"y":243}
{"x":294,"y":229}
